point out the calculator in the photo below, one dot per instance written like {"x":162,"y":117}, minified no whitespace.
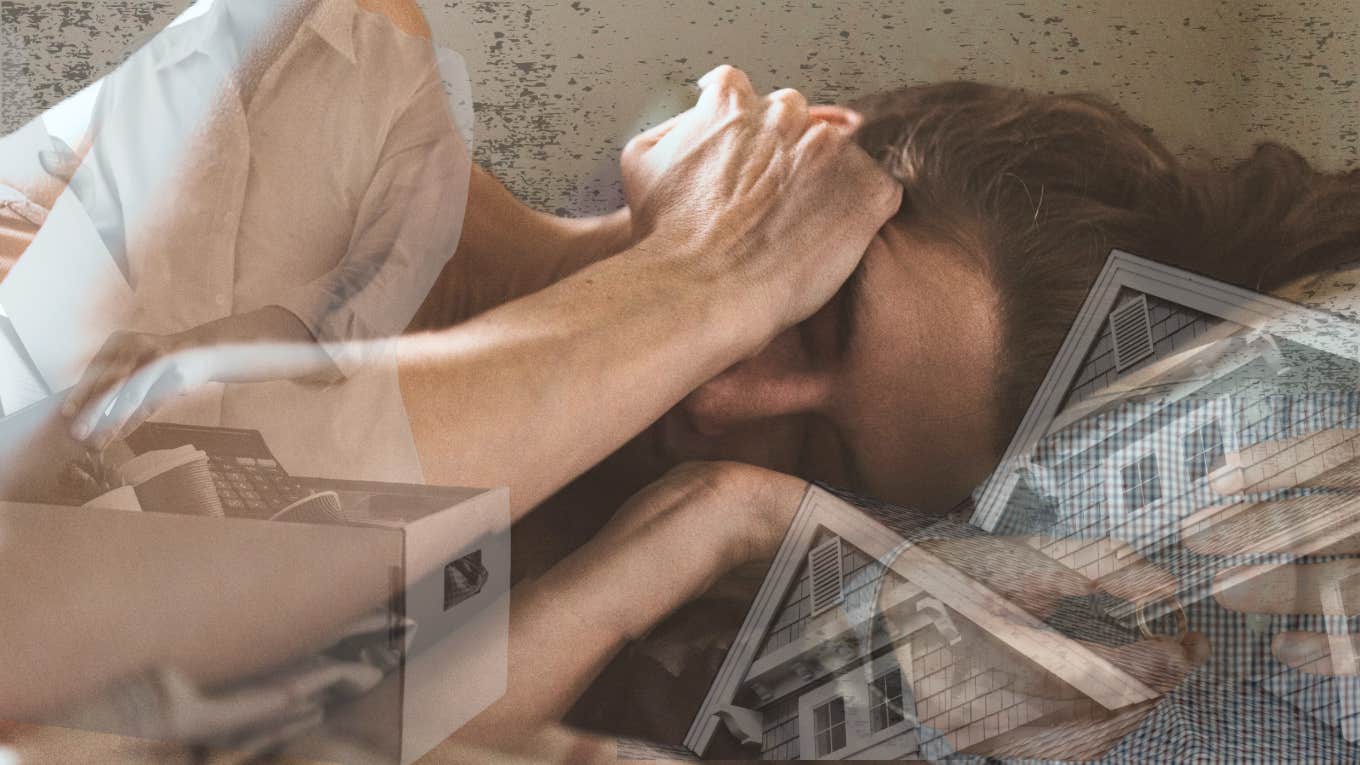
{"x":248,"y":477}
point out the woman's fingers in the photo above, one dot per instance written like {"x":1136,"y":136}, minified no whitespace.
{"x":129,"y":369}
{"x":1112,"y":565}
{"x":1160,"y":662}
{"x":1314,"y":588}
{"x":102,"y":391}
{"x":1018,"y":572}
{"x":1330,"y":589}
{"x":737,"y":172}
{"x":1067,"y":735}
{"x":786,"y":111}
{"x":1318,"y":653}
{"x":94,"y":373}
{"x":138,"y":396}
{"x":725,"y":89}
{"x":1321,"y":523}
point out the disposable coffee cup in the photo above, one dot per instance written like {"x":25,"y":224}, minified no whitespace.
{"x":321,"y":507}
{"x":173,"y":481}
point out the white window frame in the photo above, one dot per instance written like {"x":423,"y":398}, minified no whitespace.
{"x":1147,"y":468}
{"x":1191,"y":458}
{"x":807,"y":718}
{"x":855,"y":687}
{"x":1120,"y":515}
{"x":880,"y":666}
{"x":1222,"y":411}
{"x":1168,"y":446}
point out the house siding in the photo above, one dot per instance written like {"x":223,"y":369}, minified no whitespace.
{"x":796,"y":610}
{"x":781,"y":730}
{"x":1174,"y":327}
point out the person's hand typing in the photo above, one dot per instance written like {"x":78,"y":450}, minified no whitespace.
{"x":131,"y":376}
{"x":136,"y":374}
{"x":774,"y":201}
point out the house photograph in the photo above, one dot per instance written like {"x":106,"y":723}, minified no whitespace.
{"x":1189,"y":420}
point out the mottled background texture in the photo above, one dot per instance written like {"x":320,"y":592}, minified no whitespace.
{"x":560,"y":85}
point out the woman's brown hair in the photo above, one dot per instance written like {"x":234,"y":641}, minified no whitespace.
{"x":1040,"y":188}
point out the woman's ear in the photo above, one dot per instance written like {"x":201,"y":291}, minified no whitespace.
{"x":841,"y":117}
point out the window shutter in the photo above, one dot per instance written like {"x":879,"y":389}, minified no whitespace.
{"x":824,"y":575}
{"x":1131,"y":333}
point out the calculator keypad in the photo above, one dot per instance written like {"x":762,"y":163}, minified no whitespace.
{"x":253,"y":488}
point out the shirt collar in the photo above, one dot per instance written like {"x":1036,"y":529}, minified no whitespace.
{"x":190,"y":32}
{"x":333,"y":21}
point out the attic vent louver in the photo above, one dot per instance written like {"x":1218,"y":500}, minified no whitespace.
{"x":824,"y":575}
{"x":1131,"y":333}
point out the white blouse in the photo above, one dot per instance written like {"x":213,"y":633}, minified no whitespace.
{"x":337,"y":192}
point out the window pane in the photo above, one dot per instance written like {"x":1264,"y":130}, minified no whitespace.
{"x":829,"y":726}
{"x":1142,"y":485}
{"x":887,"y":701}
{"x":1130,"y":477}
{"x":893,"y":687}
{"x":1204,"y":450}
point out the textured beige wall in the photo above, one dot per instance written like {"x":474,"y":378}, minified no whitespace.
{"x":561,"y":84}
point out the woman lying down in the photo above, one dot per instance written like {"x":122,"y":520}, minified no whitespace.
{"x":906,"y":388}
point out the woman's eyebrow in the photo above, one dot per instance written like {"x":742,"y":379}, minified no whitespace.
{"x":846,"y":305}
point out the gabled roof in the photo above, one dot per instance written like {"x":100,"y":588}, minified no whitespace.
{"x":1317,"y":329}
{"x":869,"y":530}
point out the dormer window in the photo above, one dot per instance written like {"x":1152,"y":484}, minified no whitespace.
{"x":1141,"y":482}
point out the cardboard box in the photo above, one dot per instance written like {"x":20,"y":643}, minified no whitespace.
{"x":132,"y":585}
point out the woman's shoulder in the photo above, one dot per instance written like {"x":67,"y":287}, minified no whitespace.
{"x":405,"y":15}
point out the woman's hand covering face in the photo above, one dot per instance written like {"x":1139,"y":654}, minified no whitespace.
{"x":774,"y":197}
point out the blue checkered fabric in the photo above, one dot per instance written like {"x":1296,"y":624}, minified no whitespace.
{"x":1135,"y":472}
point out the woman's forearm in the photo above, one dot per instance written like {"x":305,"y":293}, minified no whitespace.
{"x":566,"y":626}
{"x":534,"y":393}
{"x":270,"y":343}
{"x":667,"y":546}
{"x":508,"y":250}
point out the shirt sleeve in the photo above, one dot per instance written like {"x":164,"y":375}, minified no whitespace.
{"x":20,"y":167}
{"x":407,"y":228}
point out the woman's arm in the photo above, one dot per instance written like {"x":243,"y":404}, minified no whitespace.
{"x":134,"y":373}
{"x":667,"y":546}
{"x":508,"y":250}
{"x":750,"y":217}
